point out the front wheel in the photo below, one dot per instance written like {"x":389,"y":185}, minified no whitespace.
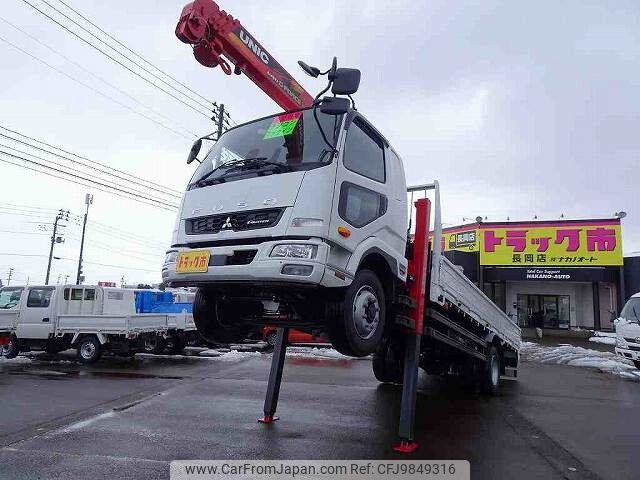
{"x":216,"y":320}
{"x":89,"y":350}
{"x":356,"y":323}
{"x":637,"y":364}
{"x":11,"y":350}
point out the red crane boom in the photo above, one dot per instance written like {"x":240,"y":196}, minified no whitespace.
{"x":215,"y":33}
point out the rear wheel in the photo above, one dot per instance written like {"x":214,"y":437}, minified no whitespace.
{"x":155,"y":344}
{"x":388,"y":362}
{"x":356,"y":323}
{"x":491,"y":372}
{"x":272,"y":337}
{"x":637,"y":364}
{"x":10,"y":350}
{"x":215,"y":320}
{"x":89,"y":350}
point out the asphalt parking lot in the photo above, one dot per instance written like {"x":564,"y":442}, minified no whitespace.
{"x":127,"y":419}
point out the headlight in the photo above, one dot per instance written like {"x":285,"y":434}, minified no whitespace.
{"x":170,"y":257}
{"x":621,"y":343}
{"x":294,"y":251}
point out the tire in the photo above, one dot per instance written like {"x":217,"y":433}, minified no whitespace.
{"x":491,"y":372}
{"x":11,"y":350}
{"x":272,"y":337}
{"x":356,"y":323}
{"x":637,"y":364}
{"x":155,"y":345}
{"x":89,"y":350}
{"x":213,"y":321}
{"x":388,"y":362}
{"x":176,"y":345}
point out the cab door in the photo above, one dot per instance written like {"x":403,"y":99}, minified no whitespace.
{"x":362,"y":192}
{"x":37,"y":313}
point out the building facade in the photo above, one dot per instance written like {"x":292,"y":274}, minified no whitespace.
{"x":550,"y":274}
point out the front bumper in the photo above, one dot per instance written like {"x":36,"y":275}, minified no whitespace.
{"x":629,"y":354}
{"x":262,"y":268}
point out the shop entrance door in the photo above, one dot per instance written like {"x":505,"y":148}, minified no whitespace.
{"x":543,"y":311}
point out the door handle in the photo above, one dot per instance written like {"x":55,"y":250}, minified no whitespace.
{"x":45,"y":320}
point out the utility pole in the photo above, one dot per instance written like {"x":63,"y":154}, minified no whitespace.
{"x":88,"y":200}
{"x":220,"y":120}
{"x":54,"y":240}
{"x":10,"y":274}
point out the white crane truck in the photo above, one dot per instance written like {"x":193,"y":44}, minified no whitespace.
{"x":301,"y":219}
{"x":91,"y":319}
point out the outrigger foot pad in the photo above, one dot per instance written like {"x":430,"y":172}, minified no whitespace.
{"x":405,"y":446}
{"x":268,"y":419}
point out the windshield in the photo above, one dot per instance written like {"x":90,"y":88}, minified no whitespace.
{"x":10,"y":297}
{"x":273,"y":145}
{"x":631,"y":310}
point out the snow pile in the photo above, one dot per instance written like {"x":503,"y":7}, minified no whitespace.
{"x":604,"y":340}
{"x":607,"y":338}
{"x":317,"y":352}
{"x":580,"y":357}
{"x":228,"y":356}
{"x":14,"y":361}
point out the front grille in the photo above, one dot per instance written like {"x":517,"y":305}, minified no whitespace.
{"x":239,"y":257}
{"x":236,"y":222}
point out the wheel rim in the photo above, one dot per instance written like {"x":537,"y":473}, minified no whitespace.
{"x":495,"y":373}
{"x":87,"y":350}
{"x":366,"y":312}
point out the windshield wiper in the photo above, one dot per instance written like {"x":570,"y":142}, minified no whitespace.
{"x":226,"y":165}
{"x":245,"y":163}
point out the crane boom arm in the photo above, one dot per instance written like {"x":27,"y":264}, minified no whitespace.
{"x":215,"y":33}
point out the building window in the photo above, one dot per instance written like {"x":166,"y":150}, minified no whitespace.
{"x":543,"y":311}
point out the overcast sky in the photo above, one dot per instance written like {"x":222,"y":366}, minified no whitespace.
{"x":518,"y":108}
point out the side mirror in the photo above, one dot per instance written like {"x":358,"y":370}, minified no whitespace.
{"x":309,"y":70}
{"x":346,"y":81}
{"x":335,"y":105}
{"x":195,"y":150}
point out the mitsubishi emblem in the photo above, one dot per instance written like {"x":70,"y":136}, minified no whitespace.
{"x":227,"y":223}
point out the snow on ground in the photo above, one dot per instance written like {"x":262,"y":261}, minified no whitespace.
{"x":605,"y":340}
{"x":315,"y":352}
{"x":14,"y":361}
{"x":580,"y":357}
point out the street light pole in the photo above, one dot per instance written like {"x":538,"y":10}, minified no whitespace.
{"x":88,"y":200}
{"x":9,"y":276}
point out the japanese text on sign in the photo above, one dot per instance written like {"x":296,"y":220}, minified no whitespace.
{"x":571,"y":245}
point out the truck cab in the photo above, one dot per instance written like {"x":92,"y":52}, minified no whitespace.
{"x":297,"y":219}
{"x":628,"y":331}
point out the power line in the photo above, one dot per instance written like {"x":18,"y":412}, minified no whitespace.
{"x":132,"y":190}
{"x":82,"y":27}
{"x":73,"y":260}
{"x":87,"y":159}
{"x":112,"y":58}
{"x":95,"y":90}
{"x":132,"y":51}
{"x":87,"y":182}
{"x":98,"y":77}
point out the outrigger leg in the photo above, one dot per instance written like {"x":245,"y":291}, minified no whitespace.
{"x":275,"y":377}
{"x":407,"y":442}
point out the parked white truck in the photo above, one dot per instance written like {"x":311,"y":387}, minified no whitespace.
{"x":628,"y":331}
{"x":300,"y":219}
{"x":92,"y":319}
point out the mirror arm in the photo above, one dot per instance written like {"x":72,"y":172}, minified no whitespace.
{"x":323,"y":91}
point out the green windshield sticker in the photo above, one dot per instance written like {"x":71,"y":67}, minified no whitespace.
{"x":281,"y":126}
